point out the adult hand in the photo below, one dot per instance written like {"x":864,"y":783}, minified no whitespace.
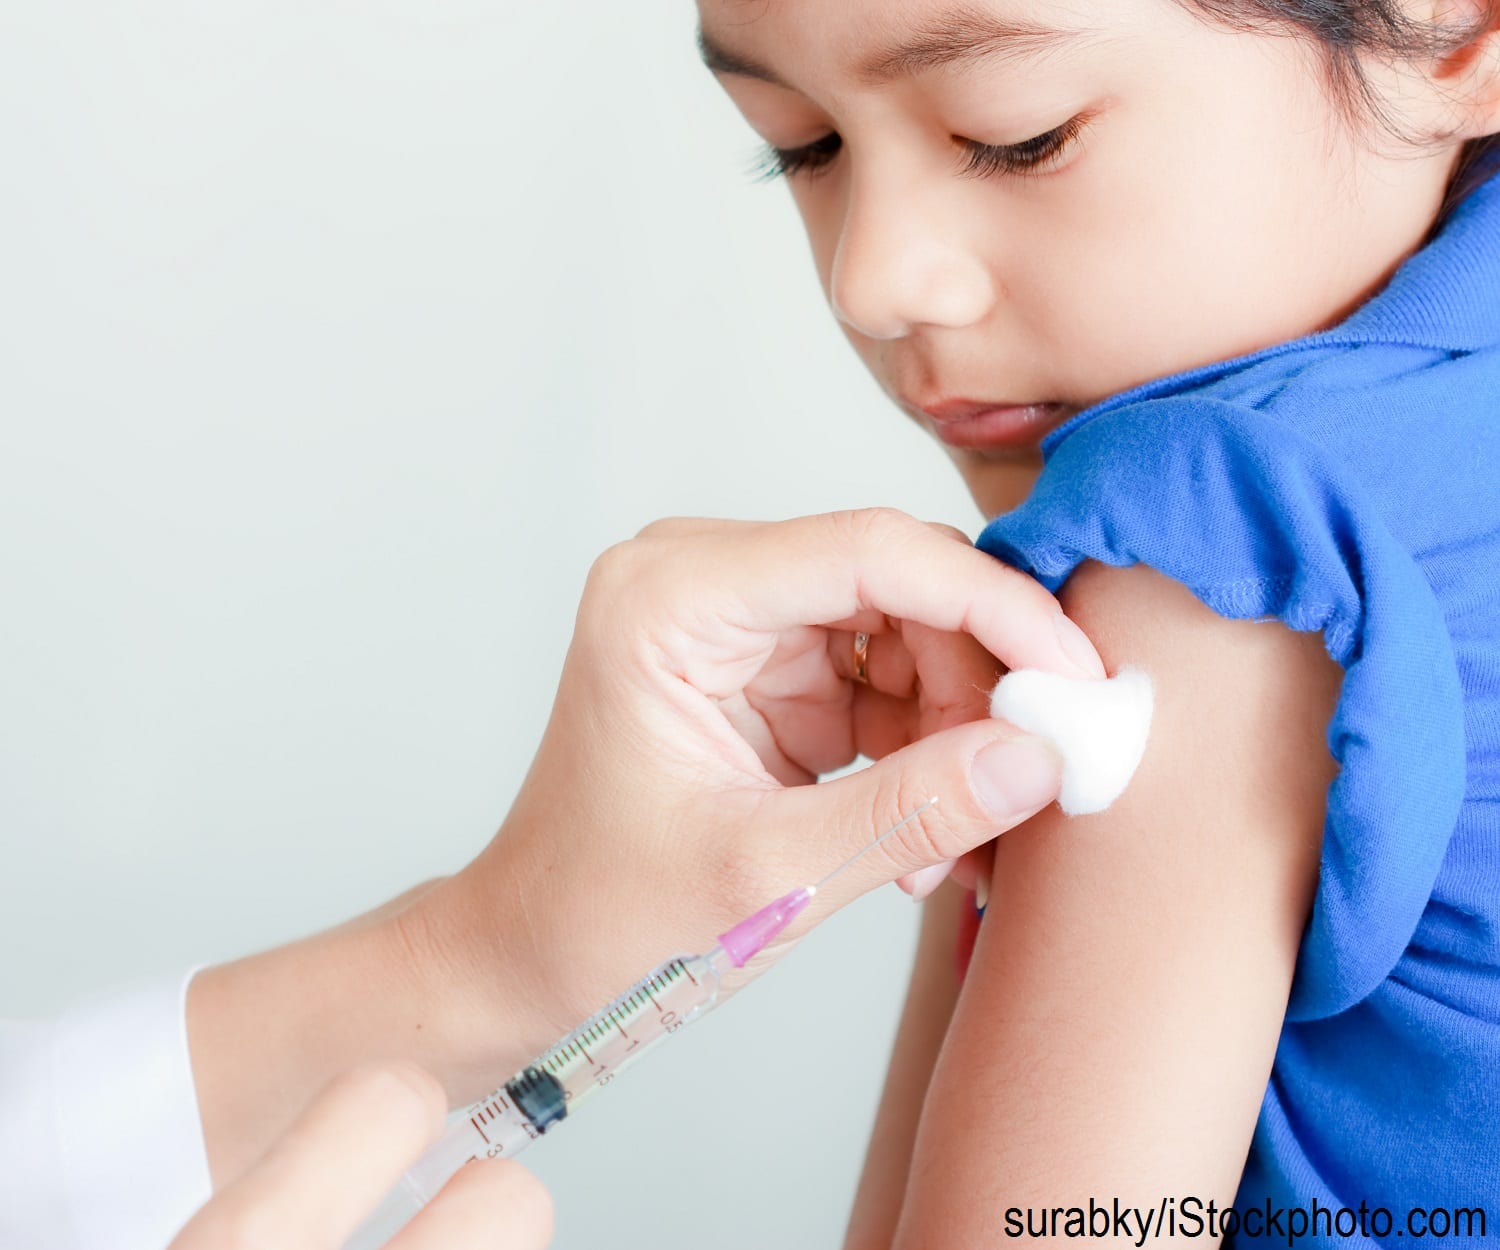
{"x":709,"y":680}
{"x":316,"y":1185}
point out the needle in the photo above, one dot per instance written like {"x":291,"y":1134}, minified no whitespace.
{"x":905,"y":820}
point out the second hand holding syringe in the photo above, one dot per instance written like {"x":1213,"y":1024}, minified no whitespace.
{"x":550,"y":1088}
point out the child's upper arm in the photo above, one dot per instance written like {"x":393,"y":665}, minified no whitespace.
{"x":1117,"y":1025}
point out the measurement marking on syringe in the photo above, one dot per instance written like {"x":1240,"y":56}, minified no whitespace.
{"x":550,"y":1088}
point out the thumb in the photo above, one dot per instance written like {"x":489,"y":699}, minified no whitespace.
{"x":987,"y":777}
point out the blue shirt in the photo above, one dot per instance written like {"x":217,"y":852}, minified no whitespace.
{"x":1349,"y":482}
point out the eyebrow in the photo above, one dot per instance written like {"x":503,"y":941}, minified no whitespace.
{"x":960,"y":37}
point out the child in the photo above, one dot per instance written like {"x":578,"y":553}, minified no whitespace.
{"x":1203,"y":299}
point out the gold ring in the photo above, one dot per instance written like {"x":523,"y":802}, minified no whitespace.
{"x":862,"y":657}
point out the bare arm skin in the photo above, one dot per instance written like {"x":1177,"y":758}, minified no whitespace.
{"x":1127,"y":989}
{"x":269,"y":1031}
{"x":924,"y":1022}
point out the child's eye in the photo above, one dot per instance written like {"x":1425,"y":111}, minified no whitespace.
{"x":1030,"y":156}
{"x":774,"y":162}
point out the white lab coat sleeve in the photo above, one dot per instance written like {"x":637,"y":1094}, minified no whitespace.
{"x":101,"y":1147}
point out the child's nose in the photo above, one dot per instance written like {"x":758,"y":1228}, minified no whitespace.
{"x":901,"y":260}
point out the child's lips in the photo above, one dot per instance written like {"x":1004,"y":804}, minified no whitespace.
{"x":990,"y":423}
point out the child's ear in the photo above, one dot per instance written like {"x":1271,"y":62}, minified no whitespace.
{"x":1468,"y":74}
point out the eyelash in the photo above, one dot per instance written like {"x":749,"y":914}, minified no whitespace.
{"x":1028,"y":158}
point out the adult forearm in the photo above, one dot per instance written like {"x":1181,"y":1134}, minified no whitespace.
{"x":267,"y":1032}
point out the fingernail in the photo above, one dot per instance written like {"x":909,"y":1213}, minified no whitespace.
{"x":925,"y":880}
{"x":981,"y":893}
{"x":1015,"y":776}
{"x":1077,"y":647}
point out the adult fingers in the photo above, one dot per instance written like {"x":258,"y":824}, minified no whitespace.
{"x":924,"y":881}
{"x":953,"y":673}
{"x":987,"y":777}
{"x":970,"y":870}
{"x":491,"y":1203}
{"x":831,"y":567}
{"x":315,"y":1186}
{"x":889,"y":664}
{"x":975,"y":867}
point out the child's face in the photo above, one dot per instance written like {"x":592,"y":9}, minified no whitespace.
{"x":1211,"y":202}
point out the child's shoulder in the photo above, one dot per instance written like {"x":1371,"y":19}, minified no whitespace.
{"x":1411,"y":375}
{"x":1340,"y":483}
{"x":1279,"y":482}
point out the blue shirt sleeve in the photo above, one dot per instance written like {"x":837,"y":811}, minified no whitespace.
{"x":1257,"y":520}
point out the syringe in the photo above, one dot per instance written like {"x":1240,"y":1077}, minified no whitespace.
{"x":550,"y":1088}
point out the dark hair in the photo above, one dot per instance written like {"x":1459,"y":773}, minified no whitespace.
{"x":1348,"y":28}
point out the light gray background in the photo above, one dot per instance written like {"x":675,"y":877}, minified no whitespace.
{"x":335,"y":341}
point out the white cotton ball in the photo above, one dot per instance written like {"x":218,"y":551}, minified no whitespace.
{"x":1099,"y":728}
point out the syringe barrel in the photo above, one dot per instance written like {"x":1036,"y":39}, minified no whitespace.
{"x":551,"y":1086}
{"x":493,"y":1128}
{"x":614,"y":1037}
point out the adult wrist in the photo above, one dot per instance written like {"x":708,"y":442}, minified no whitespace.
{"x":267,"y":1032}
{"x":475,"y":964}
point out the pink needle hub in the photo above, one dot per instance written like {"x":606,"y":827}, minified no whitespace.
{"x":753,"y":933}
